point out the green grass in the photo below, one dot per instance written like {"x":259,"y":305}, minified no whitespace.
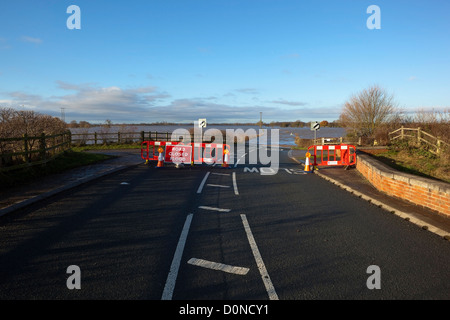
{"x":66,"y":161}
{"x":417,"y":161}
{"x":106,"y":147}
{"x":298,"y":148}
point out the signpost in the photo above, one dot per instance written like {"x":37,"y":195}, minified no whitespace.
{"x":315,"y":126}
{"x":202,"y":123}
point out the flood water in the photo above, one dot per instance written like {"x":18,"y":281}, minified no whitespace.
{"x":286,"y":135}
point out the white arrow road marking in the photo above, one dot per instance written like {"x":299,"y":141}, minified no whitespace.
{"x":259,"y":261}
{"x":218,"y":266}
{"x":200,"y":188}
{"x":236,"y":192}
{"x":175,"y":266}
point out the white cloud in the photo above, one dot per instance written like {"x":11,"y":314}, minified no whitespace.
{"x":289,"y":103}
{"x":147,"y":104}
{"x":31,"y":40}
{"x":412,"y":78}
{"x":248,"y":90}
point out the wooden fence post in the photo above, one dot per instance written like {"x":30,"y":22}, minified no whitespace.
{"x":142,"y":136}
{"x":25,"y":148}
{"x":438,"y":145}
{"x":42,"y":146}
{"x":402,"y":134}
{"x":418,"y":135}
{"x":69,"y":142}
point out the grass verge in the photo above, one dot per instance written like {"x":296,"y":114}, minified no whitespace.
{"x":68,"y":160}
{"x":417,"y":161}
{"x":106,"y":147}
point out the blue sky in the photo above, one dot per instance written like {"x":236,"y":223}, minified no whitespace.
{"x":225,"y":60}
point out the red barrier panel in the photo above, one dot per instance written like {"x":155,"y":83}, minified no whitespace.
{"x":199,"y":152}
{"x":152,"y":147}
{"x":333,"y":155}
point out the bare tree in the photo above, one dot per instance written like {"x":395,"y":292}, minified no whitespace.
{"x":367,"y":110}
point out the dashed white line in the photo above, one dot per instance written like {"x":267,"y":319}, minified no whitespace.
{"x":217,"y":186}
{"x":175,"y":266}
{"x":259,"y":262}
{"x":221,"y":174}
{"x":200,"y":188}
{"x":218,"y":266}
{"x":214,"y":209}
{"x":236,"y":192}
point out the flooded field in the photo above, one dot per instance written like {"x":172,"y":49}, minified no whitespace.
{"x":286,"y":135}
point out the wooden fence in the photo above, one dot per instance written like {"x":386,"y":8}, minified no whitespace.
{"x":418,"y":135}
{"x":98,"y":138}
{"x":16,"y":153}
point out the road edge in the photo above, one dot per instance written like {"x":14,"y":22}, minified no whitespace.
{"x":46,"y":195}
{"x":402,"y":214}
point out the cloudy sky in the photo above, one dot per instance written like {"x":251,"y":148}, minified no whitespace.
{"x":225,"y":60}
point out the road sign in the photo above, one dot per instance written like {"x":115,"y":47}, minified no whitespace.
{"x":179,"y":154}
{"x":315,"y":126}
{"x":202,"y":123}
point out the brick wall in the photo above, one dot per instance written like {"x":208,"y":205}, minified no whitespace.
{"x":418,"y":190}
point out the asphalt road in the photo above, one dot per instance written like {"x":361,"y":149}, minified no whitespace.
{"x":211,"y":233}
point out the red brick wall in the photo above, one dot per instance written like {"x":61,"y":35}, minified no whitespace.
{"x":428,"y":193}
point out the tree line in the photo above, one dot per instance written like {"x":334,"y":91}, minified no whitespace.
{"x":373,"y":112}
{"x":17,"y":123}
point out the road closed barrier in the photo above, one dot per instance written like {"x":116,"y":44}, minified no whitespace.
{"x":192,"y":153}
{"x":333,"y":155}
{"x":179,"y":153}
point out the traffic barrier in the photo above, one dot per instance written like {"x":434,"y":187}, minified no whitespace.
{"x":150,"y":149}
{"x":177,"y":152}
{"x":333,"y":155}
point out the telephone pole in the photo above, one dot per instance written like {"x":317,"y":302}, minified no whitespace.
{"x":63,"y":114}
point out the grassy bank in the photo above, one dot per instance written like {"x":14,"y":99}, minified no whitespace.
{"x":66,"y":161}
{"x":417,"y":160}
{"x":106,"y":147}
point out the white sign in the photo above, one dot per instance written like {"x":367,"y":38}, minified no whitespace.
{"x":202,"y":123}
{"x":315,"y":126}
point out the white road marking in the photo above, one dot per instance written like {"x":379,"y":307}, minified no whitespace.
{"x":221,"y":174}
{"x":218,"y":266}
{"x":236,"y":192}
{"x":175,"y":266}
{"x":214,"y":209}
{"x":217,"y":185}
{"x":259,"y":262}
{"x":200,"y":188}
